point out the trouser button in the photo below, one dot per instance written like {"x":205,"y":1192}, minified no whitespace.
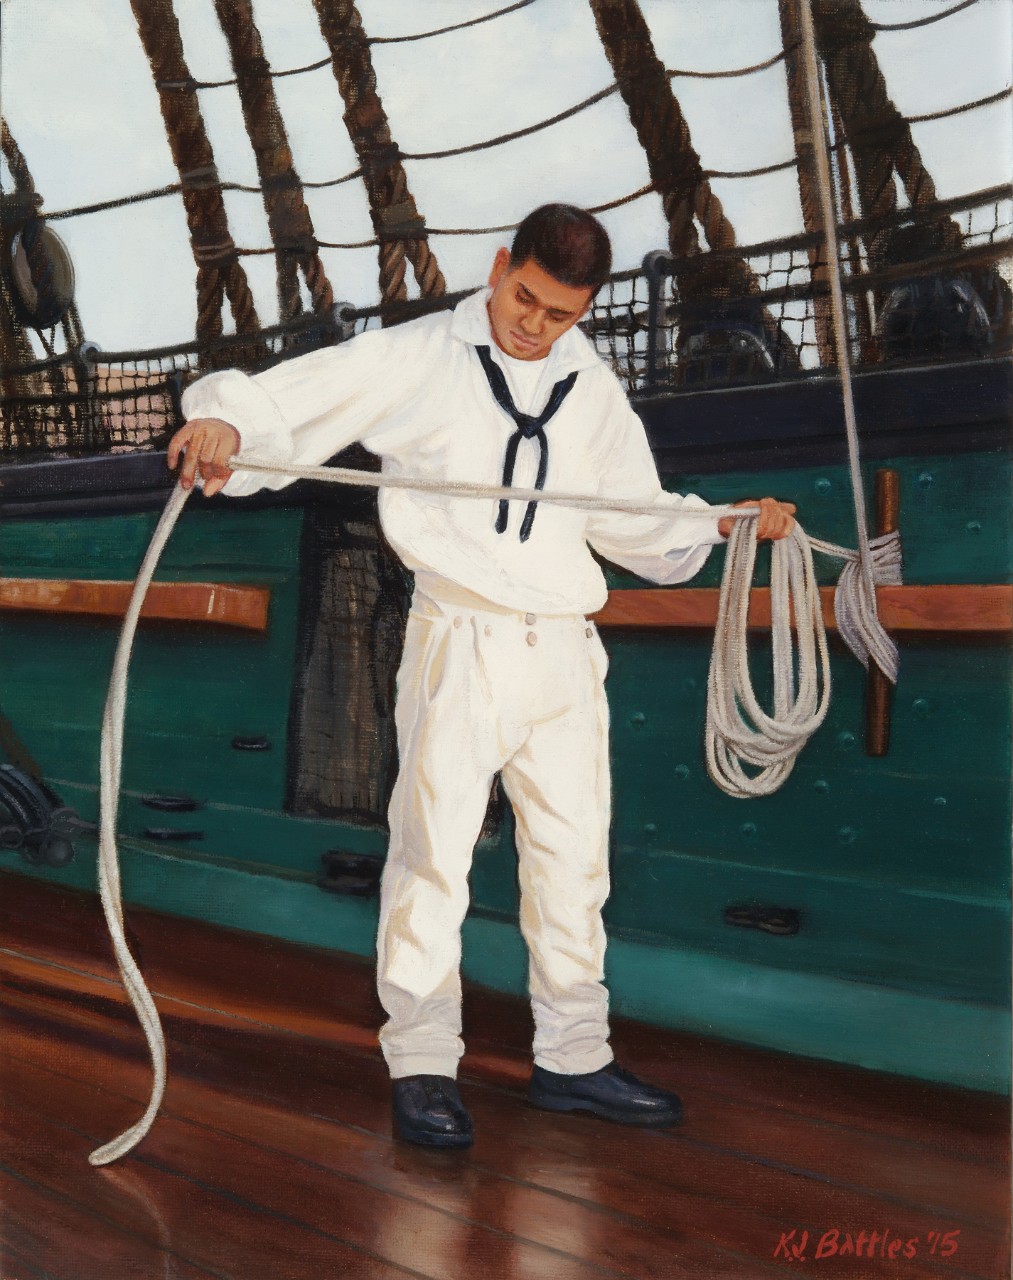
{"x":529,"y":619}
{"x":532,"y":638}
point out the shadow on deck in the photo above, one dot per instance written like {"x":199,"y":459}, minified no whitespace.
{"x":273,"y":1157}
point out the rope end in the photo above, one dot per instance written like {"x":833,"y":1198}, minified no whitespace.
{"x":104,"y":1155}
{"x":125,"y":1143}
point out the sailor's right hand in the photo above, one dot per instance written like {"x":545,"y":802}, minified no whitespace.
{"x":206,"y":444}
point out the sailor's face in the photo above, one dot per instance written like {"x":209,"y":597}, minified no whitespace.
{"x":529,"y":309}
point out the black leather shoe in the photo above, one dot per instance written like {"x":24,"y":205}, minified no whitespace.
{"x":428,"y":1111}
{"x":612,"y":1093}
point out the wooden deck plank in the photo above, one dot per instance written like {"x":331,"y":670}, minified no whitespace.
{"x":866,"y":1163}
{"x":275,"y":1045}
{"x":13,"y":1263}
{"x":492,"y":1222}
{"x":719,"y":1193}
{"x":305,"y":991}
{"x":49,"y":1234}
{"x":472,"y":1188}
{"x":178,"y":1204}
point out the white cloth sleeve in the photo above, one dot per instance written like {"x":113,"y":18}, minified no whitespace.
{"x":307,"y":409}
{"x":665,"y":548}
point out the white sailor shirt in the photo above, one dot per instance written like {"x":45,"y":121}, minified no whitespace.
{"x":417,"y":396}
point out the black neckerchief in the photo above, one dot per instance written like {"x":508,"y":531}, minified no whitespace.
{"x":529,"y":427}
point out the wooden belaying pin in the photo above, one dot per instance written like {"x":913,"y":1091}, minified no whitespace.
{"x":878,"y":689}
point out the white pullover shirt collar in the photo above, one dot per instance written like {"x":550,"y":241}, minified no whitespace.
{"x":568,"y":354}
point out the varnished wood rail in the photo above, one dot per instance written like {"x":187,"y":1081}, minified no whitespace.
{"x":972,"y":608}
{"x":222,"y":603}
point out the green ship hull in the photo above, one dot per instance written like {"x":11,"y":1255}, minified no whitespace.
{"x":895,"y":869}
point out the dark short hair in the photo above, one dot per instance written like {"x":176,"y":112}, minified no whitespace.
{"x":568,"y":243}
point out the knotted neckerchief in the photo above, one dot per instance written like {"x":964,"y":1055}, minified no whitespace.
{"x":529,"y":427}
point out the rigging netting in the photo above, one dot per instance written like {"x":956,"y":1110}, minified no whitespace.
{"x":128,"y":399}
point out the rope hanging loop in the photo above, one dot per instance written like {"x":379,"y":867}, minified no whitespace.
{"x":738,"y":732}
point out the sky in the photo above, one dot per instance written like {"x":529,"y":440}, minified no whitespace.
{"x":77,"y":91}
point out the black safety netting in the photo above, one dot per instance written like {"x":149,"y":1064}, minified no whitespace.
{"x":923,"y":285}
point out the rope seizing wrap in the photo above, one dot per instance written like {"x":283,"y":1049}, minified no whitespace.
{"x":857,"y":626}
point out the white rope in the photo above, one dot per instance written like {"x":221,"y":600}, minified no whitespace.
{"x":111,"y":749}
{"x":864,"y":586}
{"x":801,"y":692}
{"x":111,"y":759}
{"x":861,"y":631}
{"x":461,"y":489}
{"x":857,"y":622}
{"x":737,"y":731}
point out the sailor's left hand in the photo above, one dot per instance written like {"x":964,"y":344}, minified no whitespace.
{"x":776,"y":519}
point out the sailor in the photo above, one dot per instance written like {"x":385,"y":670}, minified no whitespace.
{"x":502,"y":673}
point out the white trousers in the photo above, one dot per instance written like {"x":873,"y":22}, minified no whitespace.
{"x":483,"y":690}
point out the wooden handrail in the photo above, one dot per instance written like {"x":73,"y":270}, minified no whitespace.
{"x":225,"y":604}
{"x":972,"y":608}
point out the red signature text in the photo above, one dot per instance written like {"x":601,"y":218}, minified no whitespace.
{"x":798,"y":1245}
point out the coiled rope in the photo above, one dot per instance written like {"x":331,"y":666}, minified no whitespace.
{"x":738,"y":732}
{"x":769,"y":742}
